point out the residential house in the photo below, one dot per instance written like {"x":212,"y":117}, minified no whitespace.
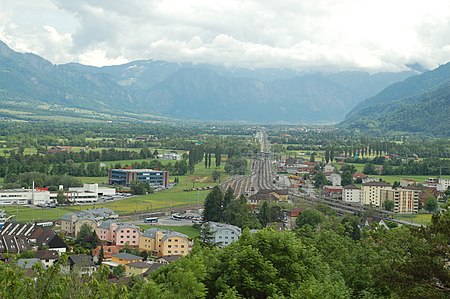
{"x":118,"y":233}
{"x":167,"y":259}
{"x":50,"y":240}
{"x":72,"y":222}
{"x":152,"y":268}
{"x":136,"y":268}
{"x":80,"y":263}
{"x":351,"y":193}
{"x":160,"y":242}
{"x":406,"y":200}
{"x":27,"y":263}
{"x":47,"y":257}
{"x":19,"y":237}
{"x":124,"y":258}
{"x":371,"y":195}
{"x":358,"y":177}
{"x":220,"y":233}
{"x":108,"y":251}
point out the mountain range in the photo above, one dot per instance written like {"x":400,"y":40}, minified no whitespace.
{"x":418,"y":104}
{"x":31,"y":86}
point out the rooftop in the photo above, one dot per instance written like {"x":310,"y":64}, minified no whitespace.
{"x":127,"y":256}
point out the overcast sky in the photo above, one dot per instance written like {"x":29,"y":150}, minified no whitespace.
{"x":305,"y":35}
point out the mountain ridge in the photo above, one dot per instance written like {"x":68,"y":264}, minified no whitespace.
{"x":188,"y":91}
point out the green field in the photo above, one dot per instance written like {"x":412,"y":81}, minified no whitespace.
{"x":396,"y":178}
{"x":188,"y":230}
{"x":102,"y":180}
{"x":424,"y":219}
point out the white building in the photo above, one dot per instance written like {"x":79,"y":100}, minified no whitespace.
{"x":351,"y":193}
{"x":335,"y":179}
{"x":24,"y":197}
{"x":42,"y":197}
{"x":443,"y":184}
{"x":223,"y":234}
{"x":170,"y":156}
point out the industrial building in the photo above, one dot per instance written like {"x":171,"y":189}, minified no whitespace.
{"x":42,"y":196}
{"x":124,"y":177}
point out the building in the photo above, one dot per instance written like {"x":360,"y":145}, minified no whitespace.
{"x":335,"y":179}
{"x":220,"y":233}
{"x":19,"y":237}
{"x":170,"y":156}
{"x":108,"y":251}
{"x":334,"y":192}
{"x":407,"y":182}
{"x":124,"y":258}
{"x":268,"y":195}
{"x":71,"y":222}
{"x":80,"y":263}
{"x":370,"y":193}
{"x":43,"y":197}
{"x":160,"y":242}
{"x":24,"y":197}
{"x":47,"y":257}
{"x":124,"y":177}
{"x":442,"y":184}
{"x":136,"y":268}
{"x":118,"y":233}
{"x":351,"y":193}
{"x":406,"y":200}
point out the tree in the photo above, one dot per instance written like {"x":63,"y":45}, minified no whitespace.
{"x":239,"y":213}
{"x":327,"y":155}
{"x":228,"y":197}
{"x":140,"y":188}
{"x":388,"y":205}
{"x":61,"y":198}
{"x":119,"y":271}
{"x":431,"y":204}
{"x":217,"y":156}
{"x":320,"y":180}
{"x":346,"y":178}
{"x":213,"y":205}
{"x":349,"y":167}
{"x":369,"y":169}
{"x":264,"y":214}
{"x":312,"y":158}
{"x":87,"y":237}
{"x":309,"y":217}
{"x":215,"y":175}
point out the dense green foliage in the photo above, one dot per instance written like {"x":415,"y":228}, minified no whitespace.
{"x":322,"y":262}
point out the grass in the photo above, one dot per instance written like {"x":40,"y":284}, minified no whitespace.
{"x":102,"y":180}
{"x":188,"y":230}
{"x":424,"y":219}
{"x":396,"y":178}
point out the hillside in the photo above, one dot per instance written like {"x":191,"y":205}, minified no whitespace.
{"x":417,"y":104}
{"x":35,"y":86}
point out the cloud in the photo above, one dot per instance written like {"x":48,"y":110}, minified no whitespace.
{"x":324,"y":34}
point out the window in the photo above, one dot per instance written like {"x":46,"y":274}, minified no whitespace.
{"x":170,"y":246}
{"x":182,"y":246}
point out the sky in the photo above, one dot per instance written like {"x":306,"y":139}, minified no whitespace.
{"x":381,"y":35}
